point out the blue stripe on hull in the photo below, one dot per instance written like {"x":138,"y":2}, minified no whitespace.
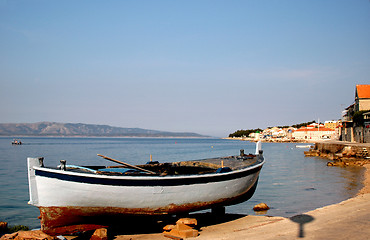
{"x":135,"y":182}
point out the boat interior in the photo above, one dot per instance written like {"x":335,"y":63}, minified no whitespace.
{"x":204,"y":166}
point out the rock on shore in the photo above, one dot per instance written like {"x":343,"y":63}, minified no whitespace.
{"x":27,"y":235}
{"x":261,"y":207}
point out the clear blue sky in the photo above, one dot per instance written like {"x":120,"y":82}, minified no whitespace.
{"x":210,"y":67}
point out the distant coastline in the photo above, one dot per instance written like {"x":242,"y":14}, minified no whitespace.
{"x":54,"y":129}
{"x":76,"y":136}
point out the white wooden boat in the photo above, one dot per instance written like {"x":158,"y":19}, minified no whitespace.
{"x":73,"y":195}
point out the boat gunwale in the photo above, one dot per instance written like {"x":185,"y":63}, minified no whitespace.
{"x":150,"y":177}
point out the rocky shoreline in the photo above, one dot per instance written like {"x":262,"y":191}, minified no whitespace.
{"x":341,"y":153}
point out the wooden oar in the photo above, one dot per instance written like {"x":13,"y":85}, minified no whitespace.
{"x":126,"y":164}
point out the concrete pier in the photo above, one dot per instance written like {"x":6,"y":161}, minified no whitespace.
{"x":333,"y":146}
{"x":345,"y":153}
{"x":349,"y":219}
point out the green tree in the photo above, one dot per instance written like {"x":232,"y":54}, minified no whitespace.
{"x":242,"y":133}
{"x":358,"y":118}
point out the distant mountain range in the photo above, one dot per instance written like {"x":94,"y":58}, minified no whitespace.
{"x":83,"y":130}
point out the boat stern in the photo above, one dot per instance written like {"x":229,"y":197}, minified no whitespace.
{"x":31,"y":163}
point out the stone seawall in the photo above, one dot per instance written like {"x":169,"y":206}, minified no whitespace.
{"x":341,"y":153}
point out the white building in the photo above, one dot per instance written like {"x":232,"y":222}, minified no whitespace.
{"x":313,"y":133}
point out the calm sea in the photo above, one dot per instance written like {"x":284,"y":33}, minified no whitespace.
{"x":289,"y":182}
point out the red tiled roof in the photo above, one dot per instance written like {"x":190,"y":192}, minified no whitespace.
{"x":313,"y":129}
{"x":363,"y":91}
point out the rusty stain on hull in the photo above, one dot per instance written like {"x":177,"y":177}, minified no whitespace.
{"x":71,"y":219}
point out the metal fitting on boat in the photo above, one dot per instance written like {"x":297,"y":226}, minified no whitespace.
{"x":63,"y":165}
{"x":41,"y":162}
{"x":242,"y":152}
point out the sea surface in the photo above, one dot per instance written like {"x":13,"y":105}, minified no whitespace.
{"x":289,"y":183}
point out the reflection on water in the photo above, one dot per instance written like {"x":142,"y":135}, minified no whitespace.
{"x":290,"y":183}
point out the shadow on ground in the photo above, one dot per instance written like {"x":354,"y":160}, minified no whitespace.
{"x":301,"y":219}
{"x":152,"y":224}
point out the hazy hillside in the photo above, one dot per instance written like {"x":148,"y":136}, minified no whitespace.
{"x":81,"y":129}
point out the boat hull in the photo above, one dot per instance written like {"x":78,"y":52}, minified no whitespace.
{"x":68,"y":198}
{"x":61,"y":220}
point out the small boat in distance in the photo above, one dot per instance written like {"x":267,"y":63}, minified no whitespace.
{"x":303,"y":146}
{"x":16,"y":142}
{"x":70,"y":196}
